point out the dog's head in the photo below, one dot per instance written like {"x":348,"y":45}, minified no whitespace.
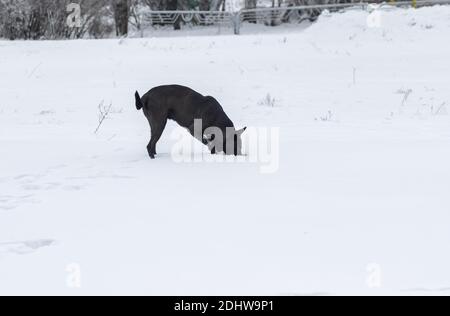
{"x":230,"y":143}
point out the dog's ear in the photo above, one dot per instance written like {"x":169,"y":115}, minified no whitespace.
{"x":241,"y":131}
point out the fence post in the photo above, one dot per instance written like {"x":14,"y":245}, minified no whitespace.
{"x":237,"y":23}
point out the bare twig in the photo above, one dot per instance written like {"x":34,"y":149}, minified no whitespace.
{"x":441,"y":109}
{"x":406,"y":94}
{"x":326,"y":118}
{"x":104,"y":111}
{"x":268,"y":101}
{"x":34,"y":70}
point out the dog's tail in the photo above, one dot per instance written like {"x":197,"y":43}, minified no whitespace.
{"x":139,"y":104}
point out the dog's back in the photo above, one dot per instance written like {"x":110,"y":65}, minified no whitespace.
{"x":183,"y":105}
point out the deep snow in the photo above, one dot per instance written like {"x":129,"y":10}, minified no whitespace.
{"x":359,"y":205}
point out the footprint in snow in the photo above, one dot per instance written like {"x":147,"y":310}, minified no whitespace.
{"x":25,"y":247}
{"x":45,"y":187}
{"x":27,"y":178}
{"x":8,"y":202}
{"x":73,"y":187}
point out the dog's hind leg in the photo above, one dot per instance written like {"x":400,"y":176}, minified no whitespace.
{"x":157,"y":128}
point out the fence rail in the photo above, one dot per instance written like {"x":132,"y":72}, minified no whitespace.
{"x":200,"y":17}
{"x":270,"y":16}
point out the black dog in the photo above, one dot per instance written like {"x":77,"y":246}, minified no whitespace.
{"x":185,"y":106}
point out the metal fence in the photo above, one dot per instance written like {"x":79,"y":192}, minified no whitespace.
{"x":270,"y":16}
{"x":196,"y":17}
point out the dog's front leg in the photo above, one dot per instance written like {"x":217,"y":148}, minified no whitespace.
{"x":150,"y":151}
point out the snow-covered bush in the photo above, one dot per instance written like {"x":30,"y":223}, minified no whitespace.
{"x":13,"y":21}
{"x":47,"y":19}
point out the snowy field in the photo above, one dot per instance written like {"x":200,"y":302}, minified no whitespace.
{"x":359,"y":203}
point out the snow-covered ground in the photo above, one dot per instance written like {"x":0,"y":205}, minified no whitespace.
{"x":359,"y":204}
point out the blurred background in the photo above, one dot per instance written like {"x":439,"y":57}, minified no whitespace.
{"x":48,"y":19}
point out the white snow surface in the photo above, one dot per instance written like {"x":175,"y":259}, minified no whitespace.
{"x":360,"y":202}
